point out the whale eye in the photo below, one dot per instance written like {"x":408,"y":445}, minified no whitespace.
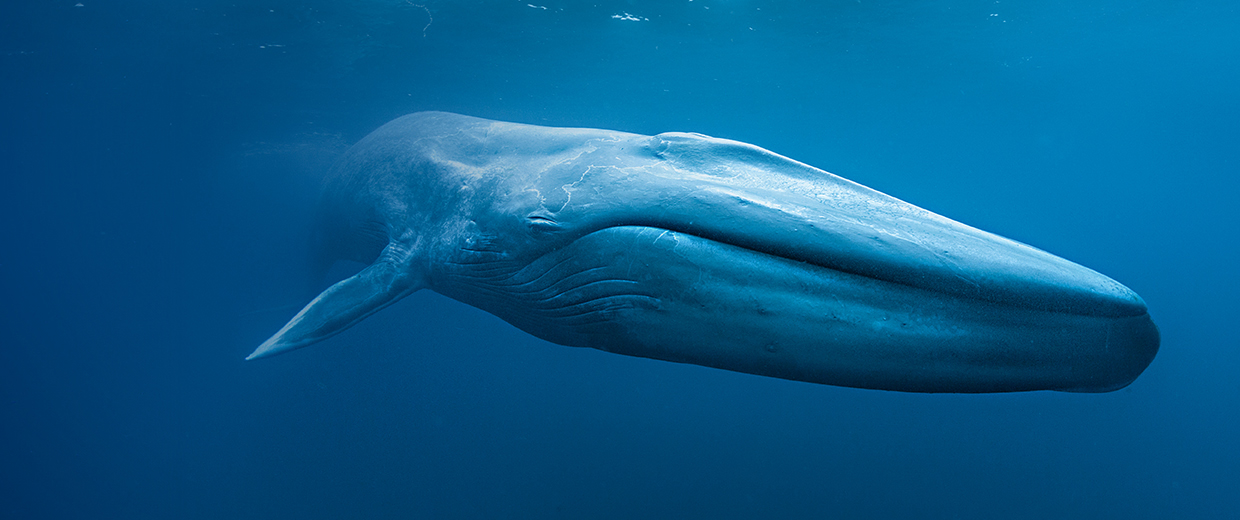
{"x":542,"y":223}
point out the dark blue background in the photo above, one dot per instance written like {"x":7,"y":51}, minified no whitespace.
{"x":159,"y":159}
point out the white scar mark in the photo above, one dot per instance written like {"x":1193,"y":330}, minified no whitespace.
{"x":588,"y":148}
{"x":429,"y":19}
{"x":568,"y":187}
{"x":542,"y":201}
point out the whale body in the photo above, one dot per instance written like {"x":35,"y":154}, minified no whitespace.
{"x":693,"y":249}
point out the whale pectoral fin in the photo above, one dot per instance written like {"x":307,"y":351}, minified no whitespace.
{"x":340,"y":306}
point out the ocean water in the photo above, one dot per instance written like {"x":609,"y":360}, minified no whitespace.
{"x":159,"y":162}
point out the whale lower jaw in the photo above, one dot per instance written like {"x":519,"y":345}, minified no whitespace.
{"x":656,"y":293}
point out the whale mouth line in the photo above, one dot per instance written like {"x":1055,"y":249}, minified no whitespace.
{"x":995,"y":294}
{"x":815,"y":262}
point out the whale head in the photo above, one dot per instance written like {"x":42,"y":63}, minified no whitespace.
{"x":693,"y":249}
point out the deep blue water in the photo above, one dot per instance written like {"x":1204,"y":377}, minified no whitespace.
{"x":159,"y":161}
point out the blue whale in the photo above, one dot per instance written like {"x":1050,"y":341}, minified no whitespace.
{"x":688,"y":248}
